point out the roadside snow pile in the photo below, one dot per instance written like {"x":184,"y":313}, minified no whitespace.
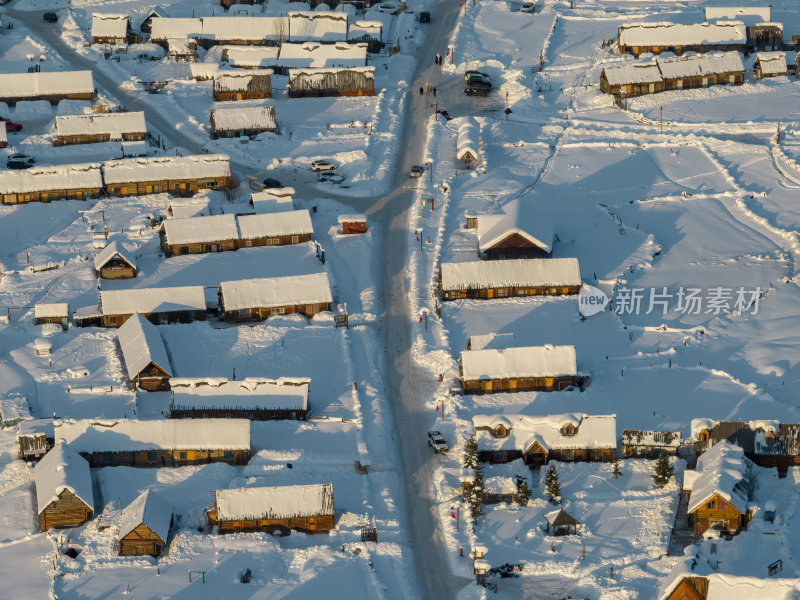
{"x":468,"y":138}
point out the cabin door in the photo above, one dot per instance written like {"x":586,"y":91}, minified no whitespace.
{"x":148,"y":189}
{"x":487,"y":387}
{"x":238,"y":96}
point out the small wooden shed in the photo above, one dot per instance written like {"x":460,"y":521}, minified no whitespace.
{"x":144,"y":526}
{"x":560,"y":522}
{"x":316,"y":83}
{"x":63,"y":488}
{"x":144,"y":354}
{"x":111,"y":28}
{"x":35,"y":438}
{"x":353,"y":224}
{"x":112,"y":262}
{"x":770,"y":64}
{"x":51,"y":313}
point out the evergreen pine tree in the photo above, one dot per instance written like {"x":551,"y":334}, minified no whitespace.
{"x":663,"y":470}
{"x":551,"y":485}
{"x":476,"y":496}
{"x":471,"y":454}
{"x":616,"y":472}
{"x":523,"y":492}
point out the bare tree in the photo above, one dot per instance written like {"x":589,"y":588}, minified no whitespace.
{"x":280,"y":29}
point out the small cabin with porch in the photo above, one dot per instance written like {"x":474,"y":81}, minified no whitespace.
{"x":47,"y":184}
{"x":144,"y":526}
{"x":198,"y":235}
{"x":111,"y":28}
{"x":98,"y":128}
{"x":178,"y":175}
{"x":254,"y":398}
{"x":159,"y":305}
{"x":238,"y":85}
{"x":258,"y":299}
{"x":64,"y":495}
{"x":770,"y":64}
{"x":353,"y":224}
{"x":53,"y":86}
{"x":275,"y":229}
{"x":570,"y":437}
{"x":306,"y":508}
{"x":657,"y":37}
{"x":238,"y":122}
{"x":144,"y":355}
{"x":331,"y":81}
{"x":57,"y":313}
{"x":650,"y":444}
{"x":113,"y":262}
{"x":35,"y":438}
{"x":517,"y":232}
{"x":157,"y":443}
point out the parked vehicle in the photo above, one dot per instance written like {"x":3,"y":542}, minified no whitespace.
{"x":20,"y":161}
{"x":473,"y":73}
{"x":322,"y":165}
{"x":331,"y":177}
{"x":479,"y":78}
{"x":387,"y":8}
{"x":528,"y":7}
{"x":50,"y":17}
{"x":269,"y":182}
{"x":12,"y":126}
{"x":436,"y":441}
{"x":424,"y":17}
{"x":478,"y":89}
{"x":417,"y":171}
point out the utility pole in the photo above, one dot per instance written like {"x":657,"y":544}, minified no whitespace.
{"x":430,"y":170}
{"x":436,"y":111}
{"x":661,"y":118}
{"x":507,"y":109}
{"x":778,"y":135}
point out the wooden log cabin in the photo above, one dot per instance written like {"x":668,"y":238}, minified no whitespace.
{"x":353,"y":224}
{"x":178,"y":175}
{"x":650,"y":444}
{"x":657,"y":37}
{"x":103,"y":127}
{"x":144,"y":355}
{"x":213,"y":31}
{"x":247,"y":85}
{"x":366,"y":32}
{"x":571,"y":437}
{"x":508,"y":278}
{"x":57,"y":313}
{"x":35,"y":438}
{"x":718,"y":490}
{"x":275,"y":229}
{"x":686,"y":583}
{"x":770,"y":64}
{"x":258,"y":299}
{"x":316,"y":55}
{"x":528,"y":368}
{"x":631,"y":80}
{"x":113,"y":262}
{"x":51,"y":86}
{"x":158,"y":443}
{"x":307,"y":508}
{"x":313,"y":26}
{"x":254,"y":398}
{"x":239,"y":122}
{"x":48,"y":184}
{"x":198,"y":235}
{"x":159,"y":305}
{"x":686,"y":72}
{"x":64,"y":495}
{"x":316,"y":83}
{"x":519,"y":231}
{"x":144,"y":526}
{"x":110,"y":28}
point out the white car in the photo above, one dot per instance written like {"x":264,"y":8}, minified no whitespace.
{"x":437,"y":442}
{"x":322,"y":165}
{"x":387,"y":8}
{"x":528,"y":7}
{"x":417,"y":171}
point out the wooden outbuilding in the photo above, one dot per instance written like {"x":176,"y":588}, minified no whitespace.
{"x":686,"y":72}
{"x":650,"y":444}
{"x":159,"y":305}
{"x":254,"y":398}
{"x":35,"y":438}
{"x":248,"y":85}
{"x":366,"y":32}
{"x":560,"y":522}
{"x":48,"y":184}
{"x":770,"y":64}
{"x":307,"y":508}
{"x":158,"y":443}
{"x":520,"y":231}
{"x":316,"y":83}
{"x":275,"y":229}
{"x":317,"y":55}
{"x":198,"y":235}
{"x":353,"y":224}
{"x":687,"y":583}
{"x":102,"y":127}
{"x":51,"y":86}
{"x":258,"y":299}
{"x":488,"y":280}
{"x":245,"y":121}
{"x":213,"y":31}
{"x":631,"y":80}
{"x":57,"y":313}
{"x":147,"y":23}
{"x":657,"y":37}
{"x":110,"y":28}
{"x":313,"y":26}
{"x":178,"y":175}
{"x":63,"y":488}
{"x":144,"y":355}
{"x":112,"y":262}
{"x":144,"y":526}
{"x":570,"y":437}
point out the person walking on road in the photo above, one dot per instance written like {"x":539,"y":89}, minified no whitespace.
{"x":420,"y":91}
{"x":434,"y":90}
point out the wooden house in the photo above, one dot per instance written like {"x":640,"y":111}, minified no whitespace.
{"x":198,"y":235}
{"x":245,"y":121}
{"x":57,"y":313}
{"x":254,"y":398}
{"x":144,"y":354}
{"x":158,"y":443}
{"x":688,"y":588}
{"x":518,"y":232}
{"x":47,"y":184}
{"x":251,"y":57}
{"x":685,"y":72}
{"x":144,"y":526}
{"x":146,"y":25}
{"x":178,"y":175}
{"x":316,"y":55}
{"x":102,"y":127}
{"x":307,"y":508}
{"x":353,"y":224}
{"x":35,"y":438}
{"x":770,"y":64}
{"x":275,"y":228}
{"x":112,"y":262}
{"x":631,"y":80}
{"x":650,"y":444}
{"x":110,"y":28}
{"x":213,"y":31}
{"x":313,"y":26}
{"x":504,"y":279}
{"x":258,"y":299}
{"x":315,"y":83}
{"x":718,"y":490}
{"x":657,"y":37}
{"x":560,"y":522}
{"x":236,"y":85}
{"x":690,"y":583}
{"x":766,"y":37}
{"x":51,"y":86}
{"x":571,"y":437}
{"x":64,"y":495}
{"x":366,"y":32}
{"x":159,"y":305}
{"x":529,"y":368}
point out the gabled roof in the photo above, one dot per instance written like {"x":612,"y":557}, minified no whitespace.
{"x":521,"y":217}
{"x":246,"y":117}
{"x":591,"y":432}
{"x":114,"y":124}
{"x":772,"y":63}
{"x":110,"y":252}
{"x":275,"y":502}
{"x":158,"y":168}
{"x":522,"y":361}
{"x":631,"y":74}
{"x":23,"y":85}
{"x":676,"y":34}
{"x":62,"y":469}
{"x":560,"y":518}
{"x":58,"y":310}
{"x":723,"y":471}
{"x":141,"y":344}
{"x":149,"y":509}
{"x":150,"y":300}
{"x":55,"y":177}
{"x":276,"y":291}
{"x":698,"y":65}
{"x":316,"y":54}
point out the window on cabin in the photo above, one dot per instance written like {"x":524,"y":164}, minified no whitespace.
{"x":184,"y":455}
{"x":500,"y":431}
{"x":295,"y":239}
{"x":228,"y":454}
{"x":112,"y":320}
{"x":568,"y":429}
{"x":106,"y":458}
{"x":770,"y":439}
{"x":710,"y":504}
{"x":722,"y":505}
{"x":704,"y":435}
{"x":152,"y":456}
{"x":502,"y":292}
{"x":277,"y":311}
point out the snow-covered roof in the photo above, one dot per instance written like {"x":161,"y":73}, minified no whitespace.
{"x":676,"y":34}
{"x":27,"y":85}
{"x":128,"y":435}
{"x":182,"y":47}
{"x":352,"y":218}
{"x":141,"y":344}
{"x":524,"y":361}
{"x":748,"y":14}
{"x":221,"y":29}
{"x":520,"y":217}
{"x":544,"y":272}
{"x":198,"y":166}
{"x":631,"y":74}
{"x":723,"y":470}
{"x":62,"y":469}
{"x":186,"y":209}
{"x":164,"y":28}
{"x":772,"y":63}
{"x":724,"y":586}
{"x":113,"y":250}
{"x":200,"y":229}
{"x":109,"y":25}
{"x":499,"y":484}
{"x":238,"y":81}
{"x":700,"y":64}
{"x":251,"y":56}
{"x":314,"y":54}
{"x":294,"y":222}
{"x":280,"y":502}
{"x":34,"y":427}
{"x":276,"y":291}
{"x":56,"y":177}
{"x":150,"y":300}
{"x":247,"y":117}
{"x":638,"y":437}
{"x":58,"y":310}
{"x":491,"y":341}
{"x":317,"y":26}
{"x":251,"y":393}
{"x":699,"y":424}
{"x":591,"y":431}
{"x":148,"y":509}
{"x":203,"y":70}
{"x":112,"y":123}
{"x":266,"y":201}
{"x":468,"y":137}
{"x":361,"y":29}
{"x":14,"y":408}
